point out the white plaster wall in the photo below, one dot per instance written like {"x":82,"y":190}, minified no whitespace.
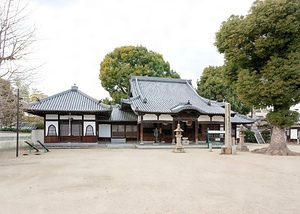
{"x":150,"y":117}
{"x":36,"y":135}
{"x":89,"y":117}
{"x":165,"y":117}
{"x":9,"y":140}
{"x":51,"y":116}
{"x":218,"y":118}
{"x":74,"y":117}
{"x":204,"y":118}
{"x":54,"y":123}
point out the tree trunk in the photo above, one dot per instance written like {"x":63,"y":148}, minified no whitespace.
{"x":277,"y":145}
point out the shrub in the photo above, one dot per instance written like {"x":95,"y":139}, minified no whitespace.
{"x":40,"y":126}
{"x":249,"y":137}
{"x":25,"y":130}
{"x":7,"y":129}
{"x":266,"y":134}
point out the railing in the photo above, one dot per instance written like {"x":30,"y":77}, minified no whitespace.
{"x":259,"y":138}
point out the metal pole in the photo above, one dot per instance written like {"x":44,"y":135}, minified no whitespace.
{"x":17,"y":146}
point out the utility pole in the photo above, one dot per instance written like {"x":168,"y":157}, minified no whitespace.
{"x":18,"y":104}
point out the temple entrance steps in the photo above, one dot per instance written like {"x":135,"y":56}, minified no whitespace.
{"x":128,"y":145}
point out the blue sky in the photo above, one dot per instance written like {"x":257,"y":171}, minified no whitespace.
{"x":73,"y":37}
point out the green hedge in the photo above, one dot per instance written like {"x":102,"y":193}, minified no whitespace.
{"x":249,"y":137}
{"x":40,"y":126}
{"x":266,"y":134}
{"x":15,"y":130}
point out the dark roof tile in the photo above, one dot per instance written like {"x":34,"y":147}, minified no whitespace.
{"x":161,"y":95}
{"x":71,"y":100}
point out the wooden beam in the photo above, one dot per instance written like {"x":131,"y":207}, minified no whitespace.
{"x":173,"y":133}
{"x":141,"y":130}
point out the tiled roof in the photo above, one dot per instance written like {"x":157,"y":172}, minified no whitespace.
{"x":72,"y":100}
{"x":168,"y":95}
{"x":241,"y":119}
{"x":119,"y":115}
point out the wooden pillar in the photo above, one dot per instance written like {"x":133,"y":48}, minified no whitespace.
{"x":196,"y":131}
{"x":82,"y":128}
{"x":141,"y":131}
{"x":138,"y":132}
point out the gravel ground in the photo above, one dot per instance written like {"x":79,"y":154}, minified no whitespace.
{"x":148,"y":181}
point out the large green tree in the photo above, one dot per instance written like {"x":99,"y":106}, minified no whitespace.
{"x":262,"y":50}
{"x":212,"y":85}
{"x":126,"y":61}
{"x":7,"y":104}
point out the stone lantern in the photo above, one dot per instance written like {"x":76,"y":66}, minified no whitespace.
{"x":242,"y":147}
{"x":178,"y":147}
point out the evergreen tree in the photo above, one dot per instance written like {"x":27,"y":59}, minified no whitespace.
{"x":262,"y":52}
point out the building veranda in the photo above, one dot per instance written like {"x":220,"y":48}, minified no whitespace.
{"x":151,"y":112}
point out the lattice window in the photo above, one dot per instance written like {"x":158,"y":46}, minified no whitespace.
{"x":118,"y":130}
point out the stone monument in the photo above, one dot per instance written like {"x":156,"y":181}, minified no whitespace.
{"x":178,"y":147}
{"x":242,"y":147}
{"x":227,"y":148}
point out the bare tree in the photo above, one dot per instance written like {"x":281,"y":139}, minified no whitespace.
{"x":16,"y":39}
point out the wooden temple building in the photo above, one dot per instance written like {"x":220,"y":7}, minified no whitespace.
{"x":152,"y":104}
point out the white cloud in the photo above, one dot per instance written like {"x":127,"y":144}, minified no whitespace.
{"x":75,"y":36}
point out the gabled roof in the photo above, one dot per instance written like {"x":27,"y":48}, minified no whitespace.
{"x":168,"y":95}
{"x":72,"y":100}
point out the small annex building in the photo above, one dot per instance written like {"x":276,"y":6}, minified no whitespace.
{"x":152,"y":104}
{"x":293,"y":134}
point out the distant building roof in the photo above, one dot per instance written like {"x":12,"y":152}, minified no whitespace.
{"x":168,"y":95}
{"x":72,"y":100}
{"x":241,"y":119}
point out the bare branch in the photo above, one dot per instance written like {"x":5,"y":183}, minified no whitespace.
{"x":16,"y":38}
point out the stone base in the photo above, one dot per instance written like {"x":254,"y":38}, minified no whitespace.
{"x":179,"y":150}
{"x":242,"y":148}
{"x":226,"y":151}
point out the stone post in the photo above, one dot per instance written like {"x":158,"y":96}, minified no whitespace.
{"x":227,"y":148}
{"x":242,"y":147}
